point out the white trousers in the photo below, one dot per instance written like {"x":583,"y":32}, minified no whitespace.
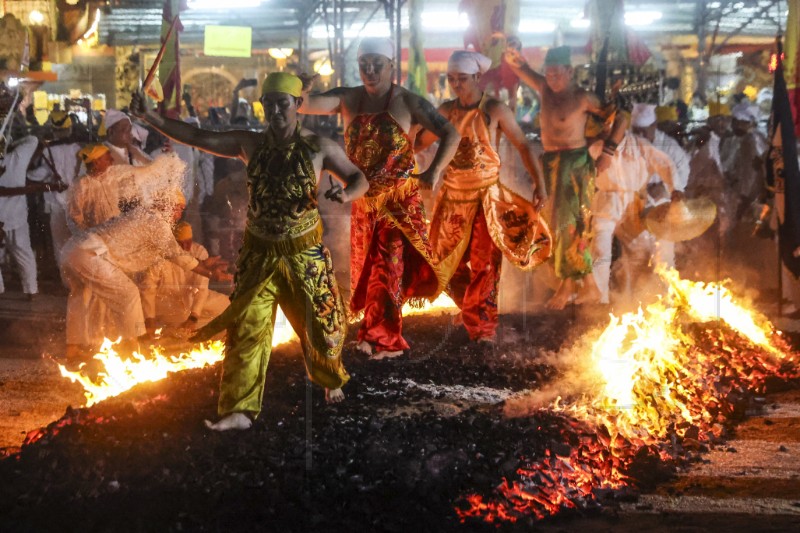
{"x":59,"y":230}
{"x":174,"y":306}
{"x":18,"y":246}
{"x":601,"y":253}
{"x":92,"y":279}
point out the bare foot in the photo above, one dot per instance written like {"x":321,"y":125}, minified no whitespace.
{"x":232,"y":421}
{"x":589,"y":293}
{"x":385,"y":354}
{"x":364,"y":347}
{"x":562,"y":296}
{"x":334,"y":395}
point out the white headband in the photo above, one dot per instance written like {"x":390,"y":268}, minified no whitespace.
{"x":643,"y":115}
{"x":113,"y":116}
{"x":745,"y":111}
{"x":376,"y":45}
{"x":468,"y":62}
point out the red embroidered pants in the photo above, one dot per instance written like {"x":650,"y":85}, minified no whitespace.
{"x":474,"y":286}
{"x":383,"y":323}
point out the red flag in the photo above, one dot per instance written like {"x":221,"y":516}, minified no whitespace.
{"x":169,"y":71}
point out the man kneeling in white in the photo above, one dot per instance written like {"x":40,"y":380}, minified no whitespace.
{"x":170,"y":293}
{"x":105,"y":258}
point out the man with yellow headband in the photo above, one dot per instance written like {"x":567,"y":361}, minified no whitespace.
{"x":103,"y":261}
{"x":92,"y":201}
{"x":668,"y":123}
{"x":565,"y":111}
{"x":176,"y":297}
{"x":283,"y":260}
{"x":390,"y":258}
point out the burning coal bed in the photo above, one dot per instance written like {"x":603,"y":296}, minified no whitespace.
{"x":560,"y":417}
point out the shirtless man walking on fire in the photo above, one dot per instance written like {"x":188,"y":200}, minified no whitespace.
{"x":566,"y":161}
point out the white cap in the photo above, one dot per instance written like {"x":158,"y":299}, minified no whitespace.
{"x":468,"y":62}
{"x":113,"y":116}
{"x":643,"y":115}
{"x":377,"y":45}
{"x":745,"y":111}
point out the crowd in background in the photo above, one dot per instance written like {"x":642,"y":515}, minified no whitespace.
{"x":722,"y":145}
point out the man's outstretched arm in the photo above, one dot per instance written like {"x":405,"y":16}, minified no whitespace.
{"x":237,"y":143}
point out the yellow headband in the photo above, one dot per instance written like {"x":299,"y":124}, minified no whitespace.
{"x":183,"y":231}
{"x":92,"y":152}
{"x":282,"y":82}
{"x":666,"y":113}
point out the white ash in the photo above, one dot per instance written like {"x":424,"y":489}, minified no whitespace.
{"x":472,"y":394}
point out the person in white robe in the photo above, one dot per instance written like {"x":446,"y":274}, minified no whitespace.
{"x":743,"y":159}
{"x":104,"y":259}
{"x":14,"y":213}
{"x":59,"y":163}
{"x":621,"y":197}
{"x":175,"y":297}
{"x":118,"y":129}
{"x":661,"y":140}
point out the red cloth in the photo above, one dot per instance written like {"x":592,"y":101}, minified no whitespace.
{"x":474,"y":286}
{"x":382,"y":325}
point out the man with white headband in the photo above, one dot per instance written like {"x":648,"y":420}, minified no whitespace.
{"x":566,"y":109}
{"x":390,"y":258}
{"x":621,"y":195}
{"x":648,"y":121}
{"x":283,"y":260}
{"x":476,"y":220}
{"x":118,"y":128}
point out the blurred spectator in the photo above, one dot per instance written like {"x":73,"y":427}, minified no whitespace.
{"x":227,"y":211}
{"x":175,"y":297}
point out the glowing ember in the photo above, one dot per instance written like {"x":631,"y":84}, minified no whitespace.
{"x":673,"y":370}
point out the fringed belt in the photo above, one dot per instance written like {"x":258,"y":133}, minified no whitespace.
{"x":283,"y":244}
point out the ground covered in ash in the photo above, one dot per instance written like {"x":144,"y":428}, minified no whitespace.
{"x":415,"y":435}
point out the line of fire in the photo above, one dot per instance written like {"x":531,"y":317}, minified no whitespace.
{"x":394,"y":265}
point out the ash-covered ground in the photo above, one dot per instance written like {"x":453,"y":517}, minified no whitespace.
{"x":415,"y":435}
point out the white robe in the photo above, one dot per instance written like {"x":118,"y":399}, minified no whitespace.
{"x":14,"y":214}
{"x":99,"y":264}
{"x":171,"y":293}
{"x":621,"y":197}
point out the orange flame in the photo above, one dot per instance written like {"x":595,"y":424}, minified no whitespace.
{"x":119,"y":375}
{"x":661,"y":371}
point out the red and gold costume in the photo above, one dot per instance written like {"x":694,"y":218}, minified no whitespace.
{"x":477,"y":221}
{"x":390,"y":259}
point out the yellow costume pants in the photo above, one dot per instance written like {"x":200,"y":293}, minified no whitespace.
{"x":303,"y":284}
